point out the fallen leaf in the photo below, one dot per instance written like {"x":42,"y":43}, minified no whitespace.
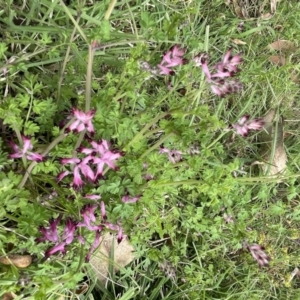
{"x":272,"y":152}
{"x":110,"y":252}
{"x":9,"y":296}
{"x":238,"y":42}
{"x":277,"y":60}
{"x":19,"y":261}
{"x":294,"y":76}
{"x":282,"y":45}
{"x":82,"y":289}
{"x":266,"y":16}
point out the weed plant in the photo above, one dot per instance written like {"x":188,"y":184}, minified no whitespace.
{"x":112,"y":121}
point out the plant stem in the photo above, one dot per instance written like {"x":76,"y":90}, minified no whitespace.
{"x":64,"y":65}
{"x":110,"y":9}
{"x":157,"y":144}
{"x":88,"y":83}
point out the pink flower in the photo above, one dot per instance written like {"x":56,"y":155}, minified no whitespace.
{"x":111,"y":226}
{"x":92,"y":197}
{"x":102,"y":156}
{"x":172,"y":58}
{"x":94,"y":246}
{"x":220,"y":84}
{"x":57,"y":248}
{"x":128,"y":199}
{"x":222,"y":87}
{"x":83,"y":121}
{"x":121,"y":236}
{"x":244,"y":125}
{"x":81,"y":167}
{"x":259,"y":254}
{"x":229,"y":63}
{"x":27,"y":146}
{"x":103,"y":211}
{"x":88,"y":214}
{"x":51,"y":234}
{"x":174,"y":155}
{"x":69,"y":230}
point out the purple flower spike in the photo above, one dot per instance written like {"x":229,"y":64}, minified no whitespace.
{"x":70,"y":228}
{"x":229,"y":63}
{"x":103,"y":211}
{"x":50,"y":234}
{"x":83,"y":121}
{"x":121,"y":236}
{"x":94,"y":246}
{"x":92,"y":197}
{"x":106,"y":157}
{"x":128,"y":199}
{"x":221,"y":85}
{"x":88,"y":214}
{"x":27,"y":146}
{"x":244,"y":125}
{"x":57,"y":248}
{"x":172,"y":58}
{"x":111,"y":226}
{"x":259,"y":255}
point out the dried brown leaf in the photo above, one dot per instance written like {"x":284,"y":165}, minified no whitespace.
{"x":19,"y":261}
{"x":238,"y":42}
{"x":273,"y":152}
{"x":9,"y":296}
{"x":277,"y":60}
{"x":101,"y":260}
{"x":294,"y":76}
{"x":266,"y":16}
{"x":282,"y":45}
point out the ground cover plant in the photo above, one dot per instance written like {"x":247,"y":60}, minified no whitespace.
{"x":149,"y":150}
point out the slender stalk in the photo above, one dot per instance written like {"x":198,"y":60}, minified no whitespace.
{"x":206,"y":46}
{"x":180,"y":182}
{"x":157,"y":144}
{"x":110,"y":9}
{"x":66,"y":59}
{"x":19,"y":136}
{"x":88,"y":83}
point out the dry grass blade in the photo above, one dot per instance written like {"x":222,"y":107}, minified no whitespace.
{"x":249,"y":9}
{"x":273,"y":6}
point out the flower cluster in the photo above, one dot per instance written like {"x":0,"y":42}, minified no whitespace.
{"x":25,"y":150}
{"x":244,"y":125}
{"x":89,"y":221}
{"x":91,"y":167}
{"x":220,"y":83}
{"x":259,"y":255}
{"x":82,"y":121}
{"x":51,"y":234}
{"x":172,"y":58}
{"x":129,"y":199}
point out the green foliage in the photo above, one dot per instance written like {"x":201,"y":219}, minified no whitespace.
{"x":194,"y":215}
